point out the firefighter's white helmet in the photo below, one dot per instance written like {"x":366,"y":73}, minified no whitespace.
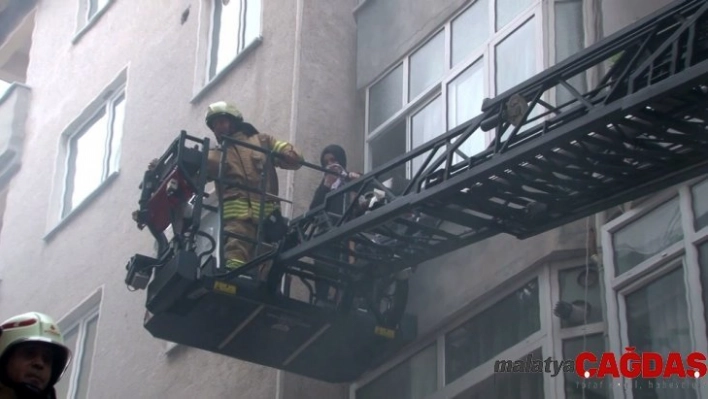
{"x":35,"y":327}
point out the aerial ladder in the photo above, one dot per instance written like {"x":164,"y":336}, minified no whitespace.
{"x":640,"y":128}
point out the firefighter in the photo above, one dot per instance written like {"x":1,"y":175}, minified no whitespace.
{"x":241,"y":207}
{"x":33,"y":357}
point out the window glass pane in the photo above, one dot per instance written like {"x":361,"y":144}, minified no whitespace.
{"x":87,"y":154}
{"x":516,"y":57}
{"x":225,"y":43}
{"x":657,"y":321}
{"x":496,"y":329}
{"x":470,"y":30}
{"x":385,"y":147}
{"x":573,"y":283}
{"x":700,"y":204}
{"x":413,"y":379}
{"x":508,"y":9}
{"x":464,"y":102}
{"x":89,"y":342}
{"x":646,"y":237}
{"x":385,"y":98}
{"x":253,"y":21}
{"x":509,"y":385}
{"x":573,"y":385}
{"x":426,"y":125}
{"x":62,"y":387}
{"x":117,"y":134}
{"x":427,"y":65}
{"x":570,"y":38}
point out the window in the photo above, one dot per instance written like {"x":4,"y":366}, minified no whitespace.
{"x":508,"y":10}
{"x":569,"y":39}
{"x":703,"y":261}
{"x":234,"y":25}
{"x":579,"y":286}
{"x":470,"y":30}
{"x":516,"y":57}
{"x":89,"y":12}
{"x":427,"y":65}
{"x":415,"y":378}
{"x":657,"y":321}
{"x":646,"y":237}
{"x":655,"y":256}
{"x":79,"y":329}
{"x":491,"y":332}
{"x":509,"y":386}
{"x":573,"y":385}
{"x":386,"y":97}
{"x":699,"y":193}
{"x":441,"y":83}
{"x":93,"y":152}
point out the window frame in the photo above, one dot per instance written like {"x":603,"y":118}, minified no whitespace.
{"x":560,"y":334}
{"x":203,"y":80}
{"x":57,"y":219}
{"x":653,"y":269}
{"x":86,"y":311}
{"x":108,"y":106}
{"x":84,"y":22}
{"x":536,"y":11}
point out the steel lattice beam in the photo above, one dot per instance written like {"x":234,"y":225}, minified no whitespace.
{"x":640,"y":129}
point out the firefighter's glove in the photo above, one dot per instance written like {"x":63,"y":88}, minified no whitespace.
{"x":136,"y":218}
{"x":290,"y":158}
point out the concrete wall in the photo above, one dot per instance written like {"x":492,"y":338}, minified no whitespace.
{"x":326,"y":91}
{"x":91,"y":249}
{"x":618,"y":14}
{"x":447,"y":285}
{"x":324,"y":113}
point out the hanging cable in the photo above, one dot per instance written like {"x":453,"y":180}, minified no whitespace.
{"x":585,"y":290}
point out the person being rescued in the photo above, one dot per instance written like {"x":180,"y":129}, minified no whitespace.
{"x":334,"y":158}
{"x":244,"y":166}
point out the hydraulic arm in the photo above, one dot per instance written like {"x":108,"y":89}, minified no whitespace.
{"x":620,"y":120}
{"x":639,"y":128}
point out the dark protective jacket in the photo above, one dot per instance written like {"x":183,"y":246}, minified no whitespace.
{"x":338,"y":206}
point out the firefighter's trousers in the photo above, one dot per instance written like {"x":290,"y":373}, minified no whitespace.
{"x":239,"y":252}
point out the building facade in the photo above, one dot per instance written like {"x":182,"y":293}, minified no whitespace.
{"x":103,"y":86}
{"x":424,"y":68}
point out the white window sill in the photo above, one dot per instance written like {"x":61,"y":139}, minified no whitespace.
{"x":79,"y":208}
{"x":219,"y":76}
{"x":90,"y":23}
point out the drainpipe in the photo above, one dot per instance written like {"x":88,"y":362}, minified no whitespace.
{"x":294,"y":107}
{"x":290,"y":180}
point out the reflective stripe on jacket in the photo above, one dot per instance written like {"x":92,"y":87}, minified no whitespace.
{"x":246,"y":167}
